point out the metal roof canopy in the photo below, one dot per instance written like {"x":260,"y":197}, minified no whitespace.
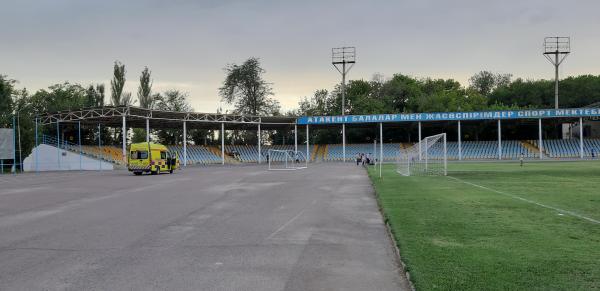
{"x":112,"y":116}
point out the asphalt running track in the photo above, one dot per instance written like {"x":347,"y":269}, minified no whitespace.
{"x":209,"y":228}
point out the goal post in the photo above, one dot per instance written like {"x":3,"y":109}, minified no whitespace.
{"x":428,"y":157}
{"x":286,"y":160}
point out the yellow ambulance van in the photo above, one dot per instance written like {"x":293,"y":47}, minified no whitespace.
{"x":151,"y":158}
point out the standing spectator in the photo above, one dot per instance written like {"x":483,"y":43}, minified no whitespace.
{"x":521,"y":159}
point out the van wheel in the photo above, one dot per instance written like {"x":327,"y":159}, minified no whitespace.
{"x":137,"y":173}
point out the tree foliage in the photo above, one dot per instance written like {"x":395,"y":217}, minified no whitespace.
{"x":574,"y":92}
{"x":117,"y":84}
{"x":485,"y":82}
{"x":6,"y":102}
{"x":245,"y":88}
{"x":95,"y":96}
{"x":145,"y":90}
{"x":64,"y":96}
{"x":172,"y":100}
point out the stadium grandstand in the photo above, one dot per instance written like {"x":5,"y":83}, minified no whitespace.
{"x":576,"y":138}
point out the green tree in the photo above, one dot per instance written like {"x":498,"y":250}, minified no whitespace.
{"x":524,"y":93}
{"x":245,"y":88}
{"x":126,"y":99}
{"x":485,"y":82}
{"x":145,"y":90}
{"x":65,"y":96}
{"x":25,"y":117}
{"x":100,"y":90}
{"x":202,"y":136}
{"x":6,"y":102}
{"x":398,"y":91}
{"x":146,"y":99}
{"x":117,"y":83}
{"x":315,"y":105}
{"x":574,"y":92}
{"x":95,"y":96}
{"x":172,"y":100}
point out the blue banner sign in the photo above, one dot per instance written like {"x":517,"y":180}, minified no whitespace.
{"x":448,"y":116}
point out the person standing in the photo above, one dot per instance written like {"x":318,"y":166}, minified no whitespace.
{"x":521,"y":159}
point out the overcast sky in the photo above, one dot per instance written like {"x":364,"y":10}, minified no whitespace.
{"x":187,"y":43}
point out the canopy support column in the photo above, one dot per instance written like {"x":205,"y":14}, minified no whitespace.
{"x":58,"y":144}
{"x":100,"y":146}
{"x":296,"y":139}
{"x":581,"y":137}
{"x":185,"y":143}
{"x":540,"y":142}
{"x":459,"y":142}
{"x":124,"y":133}
{"x":420,"y":141}
{"x":14,"y":165}
{"x":499,"y":139}
{"x":147,"y":130}
{"x":259,"y":145}
{"x":380,"y":147}
{"x":222,"y":143}
{"x":344,"y":142}
{"x":79,"y":142}
{"x":307,"y":144}
{"x":37,"y":150}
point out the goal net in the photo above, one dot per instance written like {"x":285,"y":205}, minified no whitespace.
{"x":286,"y":160}
{"x":427,"y":157}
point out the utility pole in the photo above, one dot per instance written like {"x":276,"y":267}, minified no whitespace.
{"x":343,"y":59}
{"x":556,"y":50}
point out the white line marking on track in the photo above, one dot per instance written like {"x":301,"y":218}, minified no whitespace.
{"x":290,"y":221}
{"x":528,"y":201}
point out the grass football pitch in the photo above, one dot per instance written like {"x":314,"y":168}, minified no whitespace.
{"x":497,"y":226}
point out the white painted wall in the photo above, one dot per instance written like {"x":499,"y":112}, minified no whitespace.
{"x":48,"y":160}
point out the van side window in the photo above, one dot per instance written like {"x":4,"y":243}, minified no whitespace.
{"x":139,"y":155}
{"x":163,"y":155}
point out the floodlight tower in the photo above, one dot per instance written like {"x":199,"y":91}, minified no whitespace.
{"x":343,"y":59}
{"x":556,"y":50}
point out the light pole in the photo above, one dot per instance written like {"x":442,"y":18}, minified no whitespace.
{"x":343,"y":59}
{"x":556,"y":50}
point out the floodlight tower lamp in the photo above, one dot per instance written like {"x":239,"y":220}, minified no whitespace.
{"x":556,"y":50}
{"x":343,"y":59}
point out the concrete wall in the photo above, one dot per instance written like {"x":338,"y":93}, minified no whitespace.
{"x":50,"y":159}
